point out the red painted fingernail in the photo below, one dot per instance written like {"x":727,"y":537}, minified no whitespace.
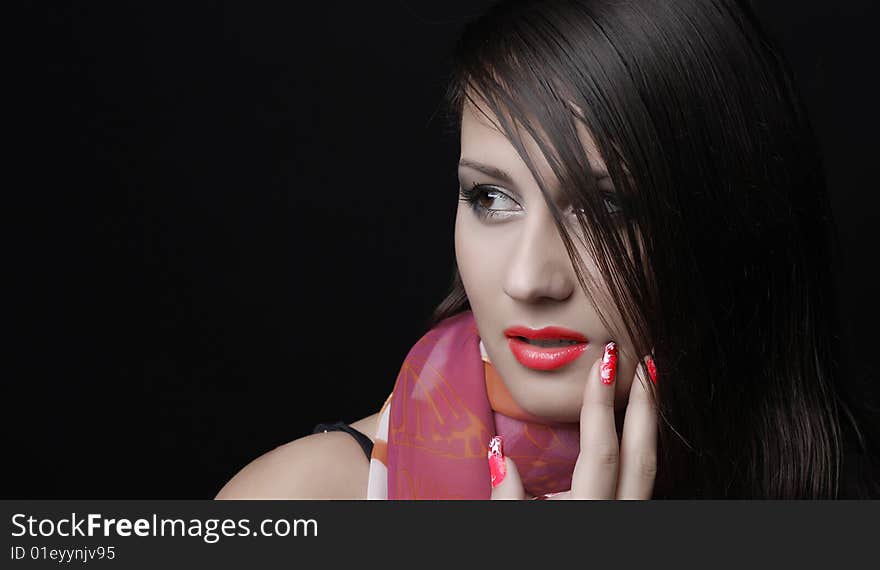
{"x":497,"y":467}
{"x":652,"y":369}
{"x":609,"y":363}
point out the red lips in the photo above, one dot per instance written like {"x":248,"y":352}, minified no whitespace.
{"x":544,"y":358}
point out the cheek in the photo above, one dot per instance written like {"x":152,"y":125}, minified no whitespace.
{"x":477,"y":258}
{"x":600,"y":297}
{"x":624,"y":380}
{"x":463,"y":253}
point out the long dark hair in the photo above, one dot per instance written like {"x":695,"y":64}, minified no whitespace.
{"x":722,"y":263}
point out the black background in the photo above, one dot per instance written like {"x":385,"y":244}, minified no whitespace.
{"x":237,"y":219}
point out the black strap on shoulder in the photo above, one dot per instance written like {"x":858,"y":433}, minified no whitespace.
{"x":362,"y":439}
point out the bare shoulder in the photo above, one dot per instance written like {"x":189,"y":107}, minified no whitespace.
{"x":329,"y":465}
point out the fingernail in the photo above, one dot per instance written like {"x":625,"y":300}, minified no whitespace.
{"x":652,"y":369}
{"x":609,"y":363}
{"x":497,"y":467}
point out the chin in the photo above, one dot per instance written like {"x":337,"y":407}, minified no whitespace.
{"x":548,"y":399}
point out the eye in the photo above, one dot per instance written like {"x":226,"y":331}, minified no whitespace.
{"x":612,"y":204}
{"x":489,"y":201}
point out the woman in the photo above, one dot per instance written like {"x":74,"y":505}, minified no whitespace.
{"x":642,"y":304}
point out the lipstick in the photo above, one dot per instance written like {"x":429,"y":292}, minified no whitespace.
{"x":545,"y":357}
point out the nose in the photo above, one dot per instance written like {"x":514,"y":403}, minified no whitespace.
{"x":539,"y":268}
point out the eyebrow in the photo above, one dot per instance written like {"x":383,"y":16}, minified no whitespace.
{"x":487,"y":170}
{"x":502,"y":175}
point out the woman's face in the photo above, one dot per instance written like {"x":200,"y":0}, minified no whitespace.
{"x":516,"y":272}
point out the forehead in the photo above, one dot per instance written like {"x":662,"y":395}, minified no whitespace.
{"x":483,"y":141}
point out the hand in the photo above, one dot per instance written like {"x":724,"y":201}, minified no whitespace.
{"x":603,"y":469}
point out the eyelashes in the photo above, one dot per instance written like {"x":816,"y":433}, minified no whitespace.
{"x":478,"y":194}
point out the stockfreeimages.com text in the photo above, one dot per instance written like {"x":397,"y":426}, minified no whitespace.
{"x":210,"y":530}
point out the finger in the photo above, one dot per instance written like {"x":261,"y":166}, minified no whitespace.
{"x":503,"y":474}
{"x":595,"y":472}
{"x":638,"y":445}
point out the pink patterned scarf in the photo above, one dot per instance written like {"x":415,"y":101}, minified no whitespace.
{"x":434,"y":428}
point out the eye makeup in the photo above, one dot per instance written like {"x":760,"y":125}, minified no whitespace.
{"x":477,"y":195}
